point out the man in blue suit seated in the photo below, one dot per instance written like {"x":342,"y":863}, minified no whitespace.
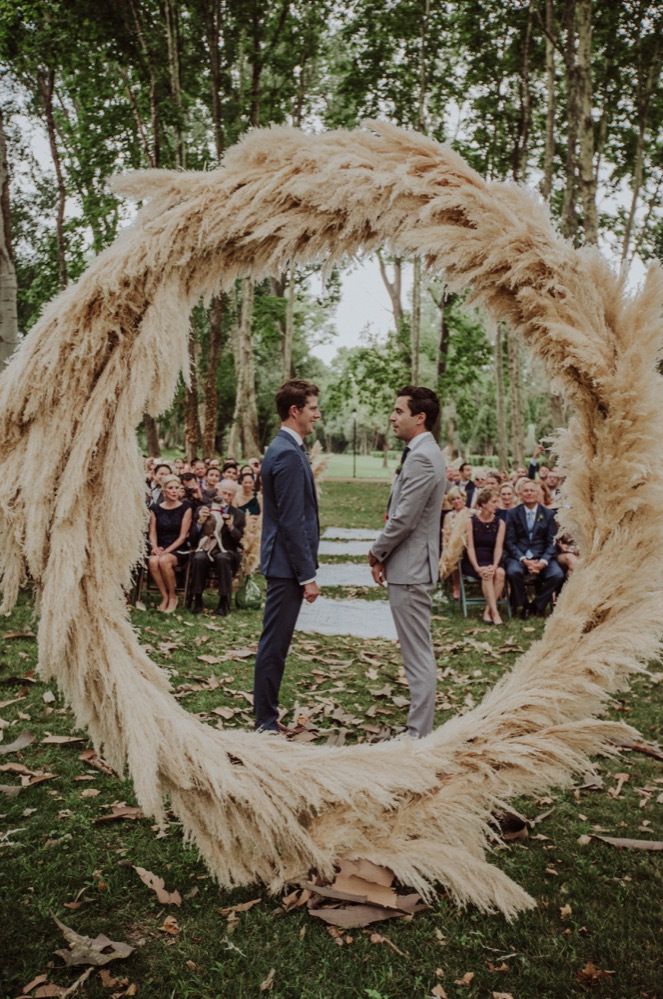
{"x":530,"y":550}
{"x":289,"y":543}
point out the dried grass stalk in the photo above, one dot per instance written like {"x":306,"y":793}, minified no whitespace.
{"x":110,"y":348}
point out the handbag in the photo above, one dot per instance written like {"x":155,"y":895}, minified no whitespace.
{"x":248,"y":596}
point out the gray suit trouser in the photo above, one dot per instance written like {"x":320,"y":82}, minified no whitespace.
{"x":411,"y":609}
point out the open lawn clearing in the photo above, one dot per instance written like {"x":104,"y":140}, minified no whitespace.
{"x":598,"y":928}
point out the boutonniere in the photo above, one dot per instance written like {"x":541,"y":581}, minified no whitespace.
{"x":540,"y":517}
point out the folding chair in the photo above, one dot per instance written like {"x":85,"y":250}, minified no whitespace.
{"x":478,"y":600}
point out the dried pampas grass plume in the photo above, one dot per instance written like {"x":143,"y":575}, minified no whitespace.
{"x":319,"y":464}
{"x":110,"y":348}
{"x":453,"y":541}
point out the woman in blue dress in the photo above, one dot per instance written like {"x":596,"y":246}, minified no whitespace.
{"x":483,"y":552}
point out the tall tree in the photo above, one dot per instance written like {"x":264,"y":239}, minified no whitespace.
{"x":8,"y":287}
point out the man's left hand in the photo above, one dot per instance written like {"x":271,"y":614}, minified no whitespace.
{"x":378,"y":572}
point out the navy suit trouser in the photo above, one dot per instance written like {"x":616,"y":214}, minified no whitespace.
{"x":282,"y":606}
{"x":548,"y":581}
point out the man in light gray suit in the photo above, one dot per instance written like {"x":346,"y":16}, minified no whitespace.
{"x":406,"y":554}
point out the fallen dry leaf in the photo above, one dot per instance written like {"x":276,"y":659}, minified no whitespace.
{"x":13,"y":700}
{"x":49,"y":990}
{"x":9,"y":635}
{"x":566,"y":912}
{"x":267,"y":984}
{"x":61,"y":740}
{"x":21,"y":741}
{"x":39,"y":980}
{"x":170,"y":926}
{"x":352,"y":916}
{"x":242,"y":907}
{"x":89,"y":757}
{"x":84,"y":950}
{"x":378,"y":938}
{"x":631,"y":844}
{"x":501,"y":995}
{"x":621,"y":779}
{"x":465,"y":980}
{"x":590,"y":973}
{"x":121,"y":811}
{"x":438,"y":992}
{"x":157,"y":885}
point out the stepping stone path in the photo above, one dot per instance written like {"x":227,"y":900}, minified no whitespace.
{"x":359,"y":618}
{"x":349,"y":534}
{"x":344,"y":574}
{"x":344,"y":547}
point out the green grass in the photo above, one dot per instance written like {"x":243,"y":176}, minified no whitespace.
{"x":366,"y":466}
{"x":53,"y":852}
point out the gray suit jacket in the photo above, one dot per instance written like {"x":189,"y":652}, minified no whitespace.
{"x":410,"y":541}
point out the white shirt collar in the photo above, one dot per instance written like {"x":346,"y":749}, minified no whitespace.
{"x":293,"y":433}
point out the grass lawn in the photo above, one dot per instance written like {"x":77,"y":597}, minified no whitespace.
{"x":597,"y":930}
{"x":367,"y":466}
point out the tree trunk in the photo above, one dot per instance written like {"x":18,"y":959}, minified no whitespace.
{"x":46,"y":79}
{"x":415,"y":322}
{"x":173,"y":42}
{"x":289,"y":329}
{"x":586,"y":122}
{"x":213,"y":21}
{"x":211,"y":393}
{"x":394,"y":287}
{"x":192,"y":435}
{"x":644,"y":101}
{"x":503,"y":456}
{"x":8,"y":286}
{"x":244,"y":430}
{"x":517,"y":429}
{"x":569,"y":217}
{"x":519,"y":158}
{"x":549,"y":151}
{"x":151,"y":436}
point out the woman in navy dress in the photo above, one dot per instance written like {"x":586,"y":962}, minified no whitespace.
{"x":170,"y":523}
{"x":483,"y":553}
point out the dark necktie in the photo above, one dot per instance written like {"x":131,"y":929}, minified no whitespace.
{"x":406,"y":451}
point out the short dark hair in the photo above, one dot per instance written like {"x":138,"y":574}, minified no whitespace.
{"x":231,"y":463}
{"x":466,"y":464}
{"x":422,"y":400}
{"x":187,"y":476}
{"x":294,"y":393}
{"x":162,"y":464}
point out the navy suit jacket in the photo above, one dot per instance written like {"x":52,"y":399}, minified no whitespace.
{"x":290,"y":526}
{"x":542,"y":541}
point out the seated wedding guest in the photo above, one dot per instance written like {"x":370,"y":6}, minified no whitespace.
{"x":211,"y":485}
{"x":162,"y":471}
{"x":554,"y":485}
{"x":223,"y":550}
{"x":230,"y":469}
{"x":506,"y":500}
{"x":245,"y":497}
{"x":170,"y":522}
{"x":530,"y":551}
{"x":519,"y":473}
{"x":544,"y":494}
{"x":192,"y":491}
{"x":483,"y":553}
{"x":492,"y":479}
{"x":568,"y":554}
{"x":465,"y":482}
{"x":453,"y":531}
{"x":453,"y":476}
{"x":199,"y":469}
{"x":256,"y":465}
{"x":178,"y":466}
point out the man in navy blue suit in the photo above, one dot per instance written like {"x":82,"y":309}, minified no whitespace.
{"x":289,"y":543}
{"x":530,"y":550}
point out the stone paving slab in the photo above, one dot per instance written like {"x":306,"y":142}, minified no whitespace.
{"x":344,"y":547}
{"x":349,"y":534}
{"x":344,"y":574}
{"x":356,"y":618}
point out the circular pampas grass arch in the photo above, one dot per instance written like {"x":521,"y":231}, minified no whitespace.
{"x":72,"y":514}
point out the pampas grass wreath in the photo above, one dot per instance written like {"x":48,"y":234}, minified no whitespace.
{"x":110,"y":348}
